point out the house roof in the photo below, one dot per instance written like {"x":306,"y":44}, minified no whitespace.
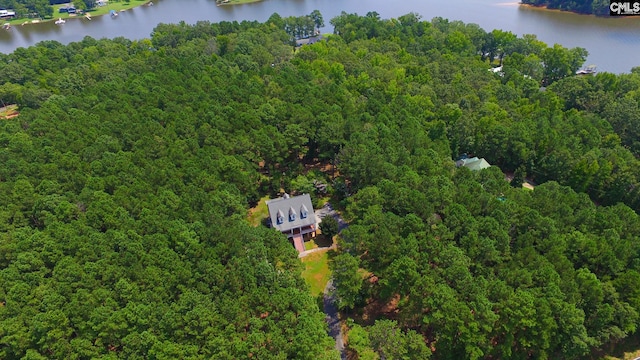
{"x":294,"y":212}
{"x":473,"y":163}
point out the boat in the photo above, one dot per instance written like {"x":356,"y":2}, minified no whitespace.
{"x":589,"y":70}
{"x":6,"y":26}
{"x":113,"y":13}
{"x":88,"y":16}
{"x":60,"y":21}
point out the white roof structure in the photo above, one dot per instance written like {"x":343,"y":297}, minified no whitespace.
{"x":473,"y":163}
{"x":288,"y":213}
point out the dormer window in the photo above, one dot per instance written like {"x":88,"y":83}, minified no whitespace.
{"x":292,"y":214}
{"x":303,"y":212}
{"x":280,"y":218}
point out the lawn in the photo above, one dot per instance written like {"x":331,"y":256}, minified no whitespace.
{"x":117,"y":6}
{"x":308,"y":245}
{"x":102,"y":10}
{"x":316,"y":272}
{"x":259,"y":213}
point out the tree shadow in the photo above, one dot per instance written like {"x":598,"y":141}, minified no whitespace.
{"x":323,"y":241}
{"x":628,"y":348}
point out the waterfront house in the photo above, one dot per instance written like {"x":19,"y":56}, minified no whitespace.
{"x":69,"y":8}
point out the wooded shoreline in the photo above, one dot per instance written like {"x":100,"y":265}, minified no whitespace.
{"x":599,"y":10}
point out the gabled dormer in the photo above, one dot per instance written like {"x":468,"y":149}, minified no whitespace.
{"x":292,"y":214}
{"x":304,"y":212}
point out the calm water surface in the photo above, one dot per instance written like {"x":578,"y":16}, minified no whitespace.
{"x":613,"y":44}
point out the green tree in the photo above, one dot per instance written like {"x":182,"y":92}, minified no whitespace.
{"x":390,"y":342}
{"x":317,"y":19}
{"x":329,"y":226}
{"x":347,"y":280}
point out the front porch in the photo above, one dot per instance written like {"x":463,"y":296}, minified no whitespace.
{"x":307,"y":232}
{"x":301,"y":234}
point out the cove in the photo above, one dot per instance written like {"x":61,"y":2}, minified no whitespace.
{"x":613,"y":43}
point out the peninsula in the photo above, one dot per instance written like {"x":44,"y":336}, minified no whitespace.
{"x":593,"y":7}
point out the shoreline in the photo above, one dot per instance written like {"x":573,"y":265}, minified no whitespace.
{"x":96,"y":12}
{"x":236,"y":2}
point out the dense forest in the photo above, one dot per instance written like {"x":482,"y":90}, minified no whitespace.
{"x":596,"y":7}
{"x":126,"y":179}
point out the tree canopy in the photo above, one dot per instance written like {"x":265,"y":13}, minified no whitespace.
{"x":126,"y":179}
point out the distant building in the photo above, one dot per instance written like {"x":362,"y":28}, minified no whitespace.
{"x":473,"y":163}
{"x":69,"y":8}
{"x":294,"y":217}
{"x":308,"y":41}
{"x":497,"y":70}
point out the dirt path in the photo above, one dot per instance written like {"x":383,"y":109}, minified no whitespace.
{"x":309,"y":252}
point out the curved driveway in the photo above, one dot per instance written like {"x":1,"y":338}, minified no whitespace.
{"x":333,"y":319}
{"x":329,"y":299}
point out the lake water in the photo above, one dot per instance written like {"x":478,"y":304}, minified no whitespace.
{"x":613,"y":43}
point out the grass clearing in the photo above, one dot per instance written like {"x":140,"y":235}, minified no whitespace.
{"x":259,"y":213}
{"x":311,"y":244}
{"x":9,"y":111}
{"x":316,"y":273}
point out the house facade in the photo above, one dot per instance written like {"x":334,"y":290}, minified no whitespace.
{"x":294,"y":217}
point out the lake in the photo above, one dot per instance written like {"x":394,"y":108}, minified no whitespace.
{"x":613,"y":43}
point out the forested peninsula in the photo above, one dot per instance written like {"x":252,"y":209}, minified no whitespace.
{"x":128,"y":172}
{"x":595,"y":7}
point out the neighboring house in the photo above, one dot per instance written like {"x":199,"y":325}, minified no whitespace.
{"x":473,"y":163}
{"x":69,"y":8}
{"x":294,"y":217}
